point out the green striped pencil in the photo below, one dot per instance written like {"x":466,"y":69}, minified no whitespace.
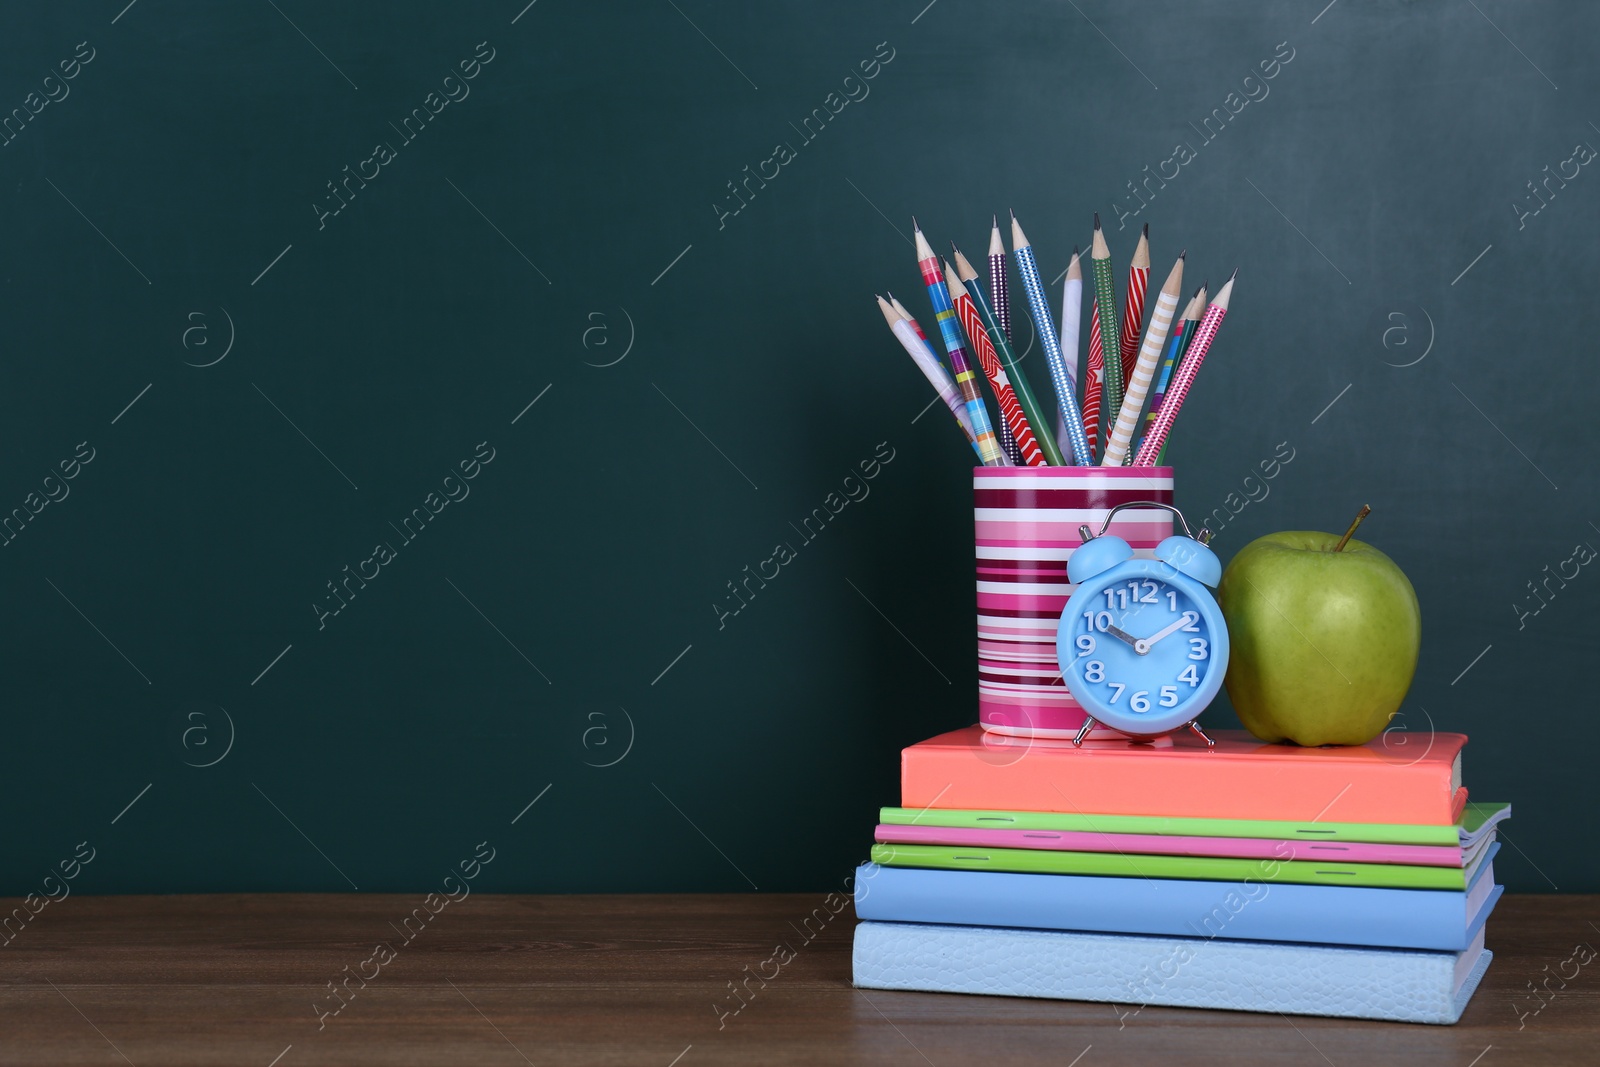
{"x":1105,"y":293}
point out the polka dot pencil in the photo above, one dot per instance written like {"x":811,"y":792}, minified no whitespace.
{"x":1119,"y":440}
{"x":1133,"y":304}
{"x":1105,"y":300}
{"x":1011,"y":413}
{"x":1045,"y":329}
{"x":1183,"y":377}
{"x":950,"y":330}
{"x":1000,"y":301}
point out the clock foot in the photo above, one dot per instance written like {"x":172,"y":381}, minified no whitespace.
{"x":1083,"y":731}
{"x":1195,"y":726}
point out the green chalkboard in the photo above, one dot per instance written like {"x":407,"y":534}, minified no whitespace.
{"x":397,"y":400}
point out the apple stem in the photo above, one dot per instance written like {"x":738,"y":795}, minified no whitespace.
{"x":1366,"y":509}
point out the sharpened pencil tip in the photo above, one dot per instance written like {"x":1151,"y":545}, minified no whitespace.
{"x":1234,"y":275}
{"x":1013,"y":215}
{"x":994,"y":221}
{"x":914,"y":225}
{"x":1146,"y":231}
{"x":1097,"y":220}
{"x":1185,"y":252}
{"x":1075,"y":251}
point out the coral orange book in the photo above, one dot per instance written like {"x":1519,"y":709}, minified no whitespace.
{"x":1395,"y":778}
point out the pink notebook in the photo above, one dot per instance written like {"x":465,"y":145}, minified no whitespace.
{"x":1162,"y":845}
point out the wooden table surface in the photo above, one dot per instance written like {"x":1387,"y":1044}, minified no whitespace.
{"x":647,"y":980}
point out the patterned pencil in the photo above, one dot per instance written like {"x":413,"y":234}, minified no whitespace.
{"x":1071,"y":318}
{"x":1011,"y":413}
{"x":1000,"y":301}
{"x":910,"y":337}
{"x":1133,"y":304}
{"x":1119,"y":441}
{"x":999,"y":283}
{"x":1094,"y":379}
{"x":950,"y":330}
{"x":1045,"y":329}
{"x":1183,"y":378}
{"x":1105,"y":297}
{"x":1008,"y":357}
{"x":1181,"y":335}
{"x":1191,"y":328}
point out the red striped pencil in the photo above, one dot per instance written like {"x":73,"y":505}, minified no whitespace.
{"x":1011,"y":413}
{"x":1188,"y":367}
{"x":1133,"y":303}
{"x":1094,"y":379}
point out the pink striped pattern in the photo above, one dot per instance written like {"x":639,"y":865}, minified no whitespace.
{"x":1026,"y":521}
{"x":1172,"y":403}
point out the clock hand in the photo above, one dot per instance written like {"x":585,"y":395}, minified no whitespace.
{"x":1143,"y":647}
{"x":1123,"y":635}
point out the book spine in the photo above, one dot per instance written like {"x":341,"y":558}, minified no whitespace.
{"x":1334,"y":915}
{"x":1213,"y":787}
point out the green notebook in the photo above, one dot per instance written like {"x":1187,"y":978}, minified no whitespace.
{"x":1196,"y":868}
{"x":1473,"y":819}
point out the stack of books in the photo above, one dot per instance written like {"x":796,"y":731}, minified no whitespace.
{"x":1343,"y":881}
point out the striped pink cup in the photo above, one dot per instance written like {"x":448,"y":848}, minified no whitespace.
{"x":1027,"y":522}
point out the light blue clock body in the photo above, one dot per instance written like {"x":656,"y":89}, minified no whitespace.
{"x":1142,"y":643}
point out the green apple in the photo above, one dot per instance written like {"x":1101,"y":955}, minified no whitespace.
{"x":1324,"y":642}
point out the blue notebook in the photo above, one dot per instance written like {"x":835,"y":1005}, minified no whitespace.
{"x":1133,"y":971}
{"x":1436,"y":919}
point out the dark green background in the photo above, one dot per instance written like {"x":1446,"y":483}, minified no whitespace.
{"x":1386,"y":157}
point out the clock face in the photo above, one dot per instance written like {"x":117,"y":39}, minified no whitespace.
{"x":1141,"y":648}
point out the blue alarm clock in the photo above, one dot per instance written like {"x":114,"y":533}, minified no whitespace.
{"x":1142,"y":643}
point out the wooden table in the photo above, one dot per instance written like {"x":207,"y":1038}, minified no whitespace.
{"x":645,"y":980}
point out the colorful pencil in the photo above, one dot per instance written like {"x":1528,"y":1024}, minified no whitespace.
{"x":1175,"y":346}
{"x":1045,"y":329}
{"x":909,"y":334}
{"x":1106,"y":297}
{"x":1094,"y":379}
{"x":1183,"y":378}
{"x":1000,"y":300}
{"x":1133,"y":303}
{"x":950,"y":330}
{"x":1011,"y":414}
{"x":1019,"y":381}
{"x":1119,"y":440}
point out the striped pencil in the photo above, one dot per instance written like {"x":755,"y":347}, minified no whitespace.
{"x":1105,"y":297}
{"x":950,"y":330}
{"x":1175,"y":345}
{"x":1133,"y":303}
{"x":1018,"y":380}
{"x":1000,"y":300}
{"x":1094,"y":379}
{"x":1011,"y":414}
{"x":910,"y":337}
{"x":1119,"y":441}
{"x":1183,"y":378}
{"x":1045,"y":329}
{"x":1071,"y":317}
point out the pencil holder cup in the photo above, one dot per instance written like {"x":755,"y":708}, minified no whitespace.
{"x":1027,"y":521}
